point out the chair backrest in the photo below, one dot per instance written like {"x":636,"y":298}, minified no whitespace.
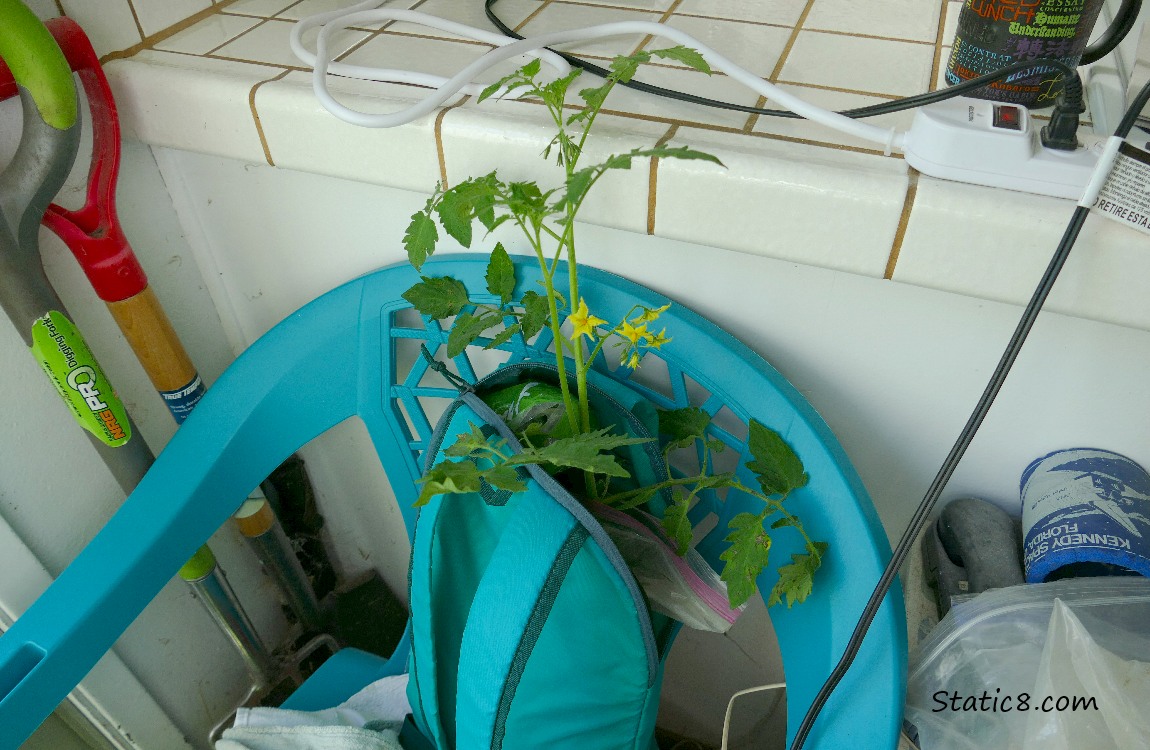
{"x":354,"y":352}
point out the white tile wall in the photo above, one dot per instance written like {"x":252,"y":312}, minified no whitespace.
{"x":795,"y":202}
{"x":899,"y":19}
{"x":302,"y":136}
{"x":198,"y":104}
{"x":859,"y":64}
{"x":157,"y":15}
{"x":110,"y":24}
{"x":208,"y":34}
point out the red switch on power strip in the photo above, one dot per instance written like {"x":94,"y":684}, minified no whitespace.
{"x":1007,"y":117}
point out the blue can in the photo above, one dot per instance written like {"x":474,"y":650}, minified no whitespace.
{"x":1085,"y":512}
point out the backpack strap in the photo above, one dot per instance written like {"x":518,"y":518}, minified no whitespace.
{"x":520,"y":584}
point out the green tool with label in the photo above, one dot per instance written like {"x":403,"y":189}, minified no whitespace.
{"x":48,"y":145}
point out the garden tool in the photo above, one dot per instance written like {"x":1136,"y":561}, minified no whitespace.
{"x":94,"y":235}
{"x":48,"y":145}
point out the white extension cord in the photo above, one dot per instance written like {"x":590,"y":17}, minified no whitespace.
{"x":962,"y":139}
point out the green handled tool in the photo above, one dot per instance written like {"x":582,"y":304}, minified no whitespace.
{"x":48,"y":145}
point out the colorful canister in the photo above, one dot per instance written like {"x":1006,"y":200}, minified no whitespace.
{"x":994,"y":33}
{"x":1085,"y":510}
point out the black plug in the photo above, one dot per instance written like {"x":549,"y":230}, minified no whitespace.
{"x":1062,"y":131}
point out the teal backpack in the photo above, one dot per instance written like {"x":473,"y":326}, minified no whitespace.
{"x":528,"y":629}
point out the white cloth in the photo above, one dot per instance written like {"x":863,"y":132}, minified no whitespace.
{"x":368,"y":720}
{"x":381,"y":701}
{"x":307,"y":738}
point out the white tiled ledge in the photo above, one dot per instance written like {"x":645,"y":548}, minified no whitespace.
{"x":815,"y":202}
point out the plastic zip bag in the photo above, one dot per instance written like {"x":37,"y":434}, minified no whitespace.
{"x":996,"y":645}
{"x":684,"y":588}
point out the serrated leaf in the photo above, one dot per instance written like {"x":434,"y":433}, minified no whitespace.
{"x":578,"y":184}
{"x":438,"y":297}
{"x":587,"y":451}
{"x":796,"y":579}
{"x":536,"y":313}
{"x":467,"y":328}
{"x":784,"y":521}
{"x":677,"y":525}
{"x":683,"y":426}
{"x":471,"y":443}
{"x":715,"y":445}
{"x":623,"y":67}
{"x":594,"y":98}
{"x":623,"y":161}
{"x":501,"y":274}
{"x":685,"y":55}
{"x":504,"y":336}
{"x":745,"y":559}
{"x":555,"y":93}
{"x":455,"y":215}
{"x":638,"y":497}
{"x":490,"y":91}
{"x":777,"y":467}
{"x":449,"y":477}
{"x":504,"y":477}
{"x":420,"y":238}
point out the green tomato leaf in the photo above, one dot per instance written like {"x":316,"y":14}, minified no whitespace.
{"x":623,"y":67}
{"x":504,"y":477}
{"x":536,"y":313}
{"x":420,"y":238}
{"x":455,"y":214}
{"x":504,"y":336}
{"x":448,"y":476}
{"x":777,"y":467}
{"x":784,"y":521}
{"x":796,"y":579}
{"x":682,"y":426}
{"x":472,"y":443}
{"x":745,"y":559}
{"x":587,"y":451}
{"x":555,"y":93}
{"x":677,"y":525}
{"x":685,"y":55}
{"x":501,"y":274}
{"x":715,"y":445}
{"x":467,"y":328}
{"x":438,"y":297}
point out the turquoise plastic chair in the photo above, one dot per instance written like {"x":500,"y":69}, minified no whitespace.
{"x":353,"y":352}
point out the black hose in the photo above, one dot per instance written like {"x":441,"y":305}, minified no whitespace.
{"x":1123,"y":21}
{"x":896,"y":105}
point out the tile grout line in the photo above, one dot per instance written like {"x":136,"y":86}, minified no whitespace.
{"x":653,"y":179}
{"x":256,"y":115}
{"x":903,"y":222}
{"x":439,"y":152}
{"x":932,"y":84}
{"x":782,"y":61}
{"x":247,"y":31}
{"x":876,"y":94}
{"x":357,"y":46}
{"x":136,"y":18}
{"x":151,"y":41}
{"x":531,"y":16}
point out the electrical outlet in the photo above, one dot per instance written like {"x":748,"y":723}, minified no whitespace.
{"x":996,"y":144}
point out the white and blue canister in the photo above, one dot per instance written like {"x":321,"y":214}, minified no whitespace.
{"x":1085,"y":512}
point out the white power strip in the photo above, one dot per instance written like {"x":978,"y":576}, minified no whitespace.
{"x":995,"y":144}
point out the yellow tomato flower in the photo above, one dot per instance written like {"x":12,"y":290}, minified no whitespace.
{"x":656,"y":340}
{"x":583,"y":322}
{"x":648,"y":314}
{"x":633,"y":363}
{"x":633,"y":333}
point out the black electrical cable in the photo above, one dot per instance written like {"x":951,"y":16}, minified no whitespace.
{"x":896,"y":105}
{"x":964,"y":439}
{"x":1123,"y":21}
